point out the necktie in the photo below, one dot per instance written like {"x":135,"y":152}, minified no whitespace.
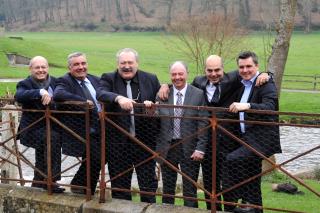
{"x":177,"y":121}
{"x":86,"y":91}
{"x":129,"y":95}
{"x":244,"y":99}
{"x":216,"y":94}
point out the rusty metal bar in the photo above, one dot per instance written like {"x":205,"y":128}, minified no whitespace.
{"x":13,"y":128}
{"x":88,"y":152}
{"x":102,"y":115}
{"x":48,"y":142}
{"x":214,"y":162}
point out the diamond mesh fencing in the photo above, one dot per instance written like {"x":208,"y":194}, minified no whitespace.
{"x":213,"y":160}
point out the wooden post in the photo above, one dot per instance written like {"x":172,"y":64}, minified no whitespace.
{"x":8,"y":170}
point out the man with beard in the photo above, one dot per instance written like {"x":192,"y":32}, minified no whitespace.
{"x":35,"y":92}
{"x":132,"y":86}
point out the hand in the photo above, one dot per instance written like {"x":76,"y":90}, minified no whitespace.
{"x":262,"y":79}
{"x":150,"y":107}
{"x":197,"y":156}
{"x":148,"y":104}
{"x":163,"y":92}
{"x":236,"y":107}
{"x":125,"y":103}
{"x":91,"y":104}
{"x":45,"y":98}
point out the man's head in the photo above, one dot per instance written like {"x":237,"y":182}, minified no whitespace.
{"x":214,"y":68}
{"x":247,"y":64}
{"x":127,"y":59}
{"x":39,"y":68}
{"x":78,"y":66}
{"x":179,"y":74}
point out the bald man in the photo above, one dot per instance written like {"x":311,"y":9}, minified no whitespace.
{"x":189,"y":153}
{"x":35,"y":92}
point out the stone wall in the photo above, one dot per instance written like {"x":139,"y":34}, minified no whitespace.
{"x":26,"y":199}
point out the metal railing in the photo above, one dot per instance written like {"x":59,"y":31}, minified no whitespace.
{"x":215,"y":123}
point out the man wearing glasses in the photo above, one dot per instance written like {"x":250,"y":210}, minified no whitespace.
{"x":123,"y":154}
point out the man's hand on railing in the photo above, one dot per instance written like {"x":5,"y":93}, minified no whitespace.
{"x":236,"y":107}
{"x":150,"y":109}
{"x":45,"y":97}
{"x":125,"y":103}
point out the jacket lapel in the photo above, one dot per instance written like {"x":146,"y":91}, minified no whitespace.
{"x":170,"y":101}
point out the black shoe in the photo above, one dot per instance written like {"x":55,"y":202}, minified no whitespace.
{"x":55,"y":189}
{"x":58,"y":189}
{"x":244,"y":210}
{"x":78,"y":191}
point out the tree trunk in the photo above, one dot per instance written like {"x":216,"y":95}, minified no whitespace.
{"x":280,"y":48}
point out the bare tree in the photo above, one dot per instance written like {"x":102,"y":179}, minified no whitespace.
{"x":198,"y":37}
{"x":280,"y":48}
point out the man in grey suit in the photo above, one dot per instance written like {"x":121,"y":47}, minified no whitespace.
{"x":190,"y":152}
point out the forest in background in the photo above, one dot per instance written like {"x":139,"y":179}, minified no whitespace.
{"x":145,"y":15}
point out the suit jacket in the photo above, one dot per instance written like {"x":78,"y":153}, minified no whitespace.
{"x":28,"y":94}
{"x":112,"y":85}
{"x":264,"y":138}
{"x":194,"y":97}
{"x":68,"y":89}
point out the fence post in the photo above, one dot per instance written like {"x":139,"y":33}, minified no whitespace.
{"x":8,"y":170}
{"x":315,"y":83}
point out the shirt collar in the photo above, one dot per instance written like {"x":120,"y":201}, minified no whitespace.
{"x":182,"y":91}
{"x":86,"y":80}
{"x":250,"y":82}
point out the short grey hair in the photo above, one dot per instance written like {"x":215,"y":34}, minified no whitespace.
{"x":128,"y":50}
{"x":74,"y":55}
{"x":179,"y":62}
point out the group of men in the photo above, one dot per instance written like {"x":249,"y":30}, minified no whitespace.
{"x":119,"y":90}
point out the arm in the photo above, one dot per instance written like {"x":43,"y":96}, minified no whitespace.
{"x":105,"y":94}
{"x":26,"y":94}
{"x":198,"y":154}
{"x":268,"y":100}
{"x":63,"y":91}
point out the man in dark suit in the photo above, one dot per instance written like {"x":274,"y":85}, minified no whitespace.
{"x":35,"y":92}
{"x":78,"y":85}
{"x":242,"y":163}
{"x":188,"y":154}
{"x":131,"y":85}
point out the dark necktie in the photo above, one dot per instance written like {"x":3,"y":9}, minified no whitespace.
{"x":86,"y":92}
{"x":216,"y":94}
{"x":177,"y":121}
{"x":129,"y":95}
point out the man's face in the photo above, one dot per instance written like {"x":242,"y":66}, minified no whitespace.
{"x":39,"y":69}
{"x":178,"y":76}
{"x":247,"y":68}
{"x":214,"y":71}
{"x":127,"y":65}
{"x":78,"y":67}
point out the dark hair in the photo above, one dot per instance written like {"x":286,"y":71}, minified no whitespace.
{"x":248,"y":54}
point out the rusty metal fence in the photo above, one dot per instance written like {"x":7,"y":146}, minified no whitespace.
{"x":212,"y":156}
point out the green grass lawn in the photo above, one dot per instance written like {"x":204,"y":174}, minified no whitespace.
{"x":154,"y":57}
{"x":307,"y":202}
